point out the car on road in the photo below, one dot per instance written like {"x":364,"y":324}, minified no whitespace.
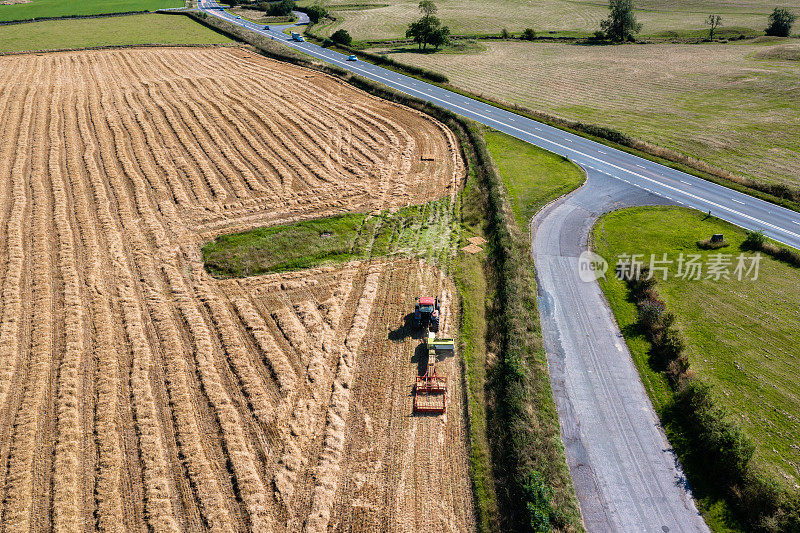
{"x":266,"y":27}
{"x":352,"y":58}
{"x":238,"y":17}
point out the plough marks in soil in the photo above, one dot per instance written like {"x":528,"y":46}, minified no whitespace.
{"x":135,"y":390}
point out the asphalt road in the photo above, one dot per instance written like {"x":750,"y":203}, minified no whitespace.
{"x":625,"y":473}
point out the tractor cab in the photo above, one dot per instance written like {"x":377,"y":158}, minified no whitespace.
{"x":426,"y":313}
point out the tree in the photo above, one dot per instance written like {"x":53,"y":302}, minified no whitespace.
{"x":316,"y":13}
{"x":439,"y":37}
{"x":713,"y":22}
{"x":282,"y":8}
{"x":528,"y":34}
{"x":428,"y":30}
{"x":621,"y":23}
{"x":780,"y":22}
{"x":341,"y":37}
{"x":504,"y":34}
{"x":428,"y":8}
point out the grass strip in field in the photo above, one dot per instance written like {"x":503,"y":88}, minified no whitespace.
{"x":424,"y":231}
{"x":742,"y":339}
{"x":112,"y":31}
{"x":65,"y":8}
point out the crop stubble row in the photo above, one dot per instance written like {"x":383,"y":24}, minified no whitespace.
{"x":137,"y":391}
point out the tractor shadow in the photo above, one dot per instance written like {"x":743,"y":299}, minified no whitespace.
{"x":420,"y":357}
{"x":407,"y":330}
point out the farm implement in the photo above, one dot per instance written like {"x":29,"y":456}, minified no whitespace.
{"x":430,"y":390}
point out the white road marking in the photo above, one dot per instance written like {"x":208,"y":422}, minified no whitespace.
{"x":796,"y":222}
{"x":354,"y":68}
{"x":686,"y":182}
{"x":640,"y":166}
{"x":738,"y":201}
{"x":602,"y":152}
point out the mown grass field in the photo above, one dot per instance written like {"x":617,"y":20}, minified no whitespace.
{"x":735,"y":106}
{"x":388,"y":19}
{"x":132,"y":29}
{"x":62,"y":8}
{"x":742,"y":339}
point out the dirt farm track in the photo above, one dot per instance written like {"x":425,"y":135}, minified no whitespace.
{"x":137,"y":392}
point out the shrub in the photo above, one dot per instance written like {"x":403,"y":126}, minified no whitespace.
{"x":754,"y":240}
{"x":281,"y":8}
{"x":649,"y":312}
{"x":708,"y":245}
{"x":528,"y":34}
{"x":538,"y":496}
{"x":780,"y":22}
{"x":720,"y":442}
{"x":342,"y":37}
{"x":504,"y":34}
{"x":315,"y":13}
{"x":789,"y":256}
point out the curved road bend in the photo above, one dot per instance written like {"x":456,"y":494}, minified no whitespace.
{"x":624,"y":472}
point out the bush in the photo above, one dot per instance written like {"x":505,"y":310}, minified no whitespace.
{"x":504,"y":34}
{"x":649,"y":312}
{"x":780,"y":22}
{"x":708,"y":245}
{"x":281,"y":8}
{"x":342,"y":37}
{"x":528,"y":34}
{"x":754,"y":240}
{"x":722,"y":445}
{"x":538,"y":496}
{"x":315,"y":13}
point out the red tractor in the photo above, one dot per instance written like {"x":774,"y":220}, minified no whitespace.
{"x":426,"y":313}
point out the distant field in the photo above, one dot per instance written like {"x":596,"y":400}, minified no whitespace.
{"x":132,"y":29}
{"x":385,"y":19}
{"x":743,"y":339}
{"x":721,"y":103}
{"x":62,"y":8}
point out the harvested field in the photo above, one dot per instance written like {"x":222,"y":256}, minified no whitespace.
{"x":137,"y":391}
{"x":388,"y":19}
{"x":720,"y":103}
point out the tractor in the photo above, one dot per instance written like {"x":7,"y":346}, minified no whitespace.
{"x":426,"y":313}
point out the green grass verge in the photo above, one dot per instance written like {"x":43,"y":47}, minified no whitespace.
{"x":742,"y":339}
{"x":66,"y":8}
{"x":532,"y":176}
{"x":111,"y":31}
